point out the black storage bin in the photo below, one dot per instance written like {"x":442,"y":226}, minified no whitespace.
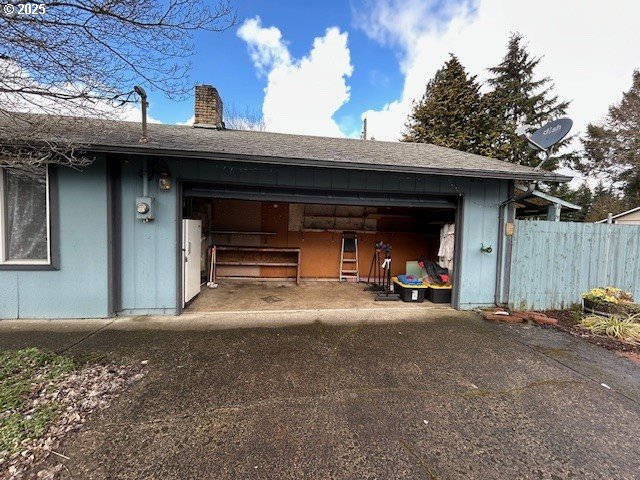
{"x":439,"y":295}
{"x":408,"y":294}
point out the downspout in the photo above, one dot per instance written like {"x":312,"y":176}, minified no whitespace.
{"x":498,"y":293}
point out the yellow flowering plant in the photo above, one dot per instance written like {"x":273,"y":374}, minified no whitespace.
{"x":611,"y":295}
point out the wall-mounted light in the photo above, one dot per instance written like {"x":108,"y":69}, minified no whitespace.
{"x":164,"y":181}
{"x":487,"y":249}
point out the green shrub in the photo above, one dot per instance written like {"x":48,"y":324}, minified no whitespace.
{"x":622,"y":327}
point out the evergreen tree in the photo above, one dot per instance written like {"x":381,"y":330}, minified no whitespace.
{"x":605,"y":201}
{"x":518,"y":98}
{"x":449,"y":114}
{"x":581,"y":196}
{"x":613,"y":148}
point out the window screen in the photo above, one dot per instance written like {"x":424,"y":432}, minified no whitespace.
{"x":25,"y":214}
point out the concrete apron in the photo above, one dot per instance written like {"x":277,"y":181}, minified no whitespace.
{"x":243,"y":319}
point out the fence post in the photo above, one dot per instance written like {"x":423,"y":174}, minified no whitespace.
{"x":607,"y":255}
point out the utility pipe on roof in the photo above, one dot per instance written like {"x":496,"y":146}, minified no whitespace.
{"x":143,"y":103}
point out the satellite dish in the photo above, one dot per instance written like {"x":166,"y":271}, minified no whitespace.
{"x":550,"y":134}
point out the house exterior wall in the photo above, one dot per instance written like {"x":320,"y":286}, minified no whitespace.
{"x":149,"y":266}
{"x":632,"y":218}
{"x":147,"y":271}
{"x":80,"y":287}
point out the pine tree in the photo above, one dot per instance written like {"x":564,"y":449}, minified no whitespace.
{"x":518,"y":98}
{"x":581,"y":196}
{"x":449,"y":114}
{"x":605,"y":201}
{"x":613,"y":148}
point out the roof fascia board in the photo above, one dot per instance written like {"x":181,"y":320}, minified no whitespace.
{"x":557,"y":200}
{"x":633,"y":210}
{"x":306,"y":162}
{"x":303,"y":162}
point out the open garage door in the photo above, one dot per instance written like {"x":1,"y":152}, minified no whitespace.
{"x":334,"y":197}
{"x":285,"y":249}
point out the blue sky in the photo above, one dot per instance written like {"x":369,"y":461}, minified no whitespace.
{"x":320,"y":67}
{"x":223,"y":60}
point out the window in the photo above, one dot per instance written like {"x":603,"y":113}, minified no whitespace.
{"x":24,"y":217}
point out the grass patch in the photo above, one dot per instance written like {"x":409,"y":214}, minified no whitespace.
{"x":22,"y":372}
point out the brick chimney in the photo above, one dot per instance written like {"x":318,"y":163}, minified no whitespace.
{"x":208,"y":112}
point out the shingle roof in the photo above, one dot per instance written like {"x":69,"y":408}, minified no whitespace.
{"x":265,"y":147}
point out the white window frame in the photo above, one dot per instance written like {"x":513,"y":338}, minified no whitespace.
{"x":3,"y":234}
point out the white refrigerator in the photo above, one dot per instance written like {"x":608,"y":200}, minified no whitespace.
{"x":191,"y":250}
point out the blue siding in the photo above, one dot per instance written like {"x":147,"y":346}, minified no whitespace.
{"x":79,"y":288}
{"x":149,"y":250}
{"x":481,"y":226}
{"x":553,"y":263}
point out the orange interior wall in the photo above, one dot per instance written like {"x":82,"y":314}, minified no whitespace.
{"x":275,"y":218}
{"x":320,"y":251}
{"x":236,"y":215}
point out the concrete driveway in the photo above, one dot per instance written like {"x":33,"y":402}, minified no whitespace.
{"x":451,"y":396}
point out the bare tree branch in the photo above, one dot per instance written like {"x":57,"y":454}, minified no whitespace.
{"x":83,"y":57}
{"x":247,"y":120}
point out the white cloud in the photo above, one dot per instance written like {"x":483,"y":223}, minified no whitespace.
{"x":589,"y":49}
{"x":189,"y":121}
{"x":301,"y":95}
{"x":132,"y":113}
{"x":266,"y":46}
{"x":35,"y":103}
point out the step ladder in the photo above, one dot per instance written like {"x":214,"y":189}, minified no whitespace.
{"x":349,"y":267}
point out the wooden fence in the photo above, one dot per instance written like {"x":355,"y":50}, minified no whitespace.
{"x":552,"y":263}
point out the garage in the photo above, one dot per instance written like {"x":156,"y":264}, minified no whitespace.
{"x":261,"y":251}
{"x":277,"y":207}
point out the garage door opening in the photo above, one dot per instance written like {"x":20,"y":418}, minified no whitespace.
{"x":280,"y":255}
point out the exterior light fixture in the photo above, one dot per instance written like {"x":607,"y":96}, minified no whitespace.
{"x":164,"y":181}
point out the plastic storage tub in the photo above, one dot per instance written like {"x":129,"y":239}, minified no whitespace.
{"x":439,"y":294}
{"x":409,"y":293}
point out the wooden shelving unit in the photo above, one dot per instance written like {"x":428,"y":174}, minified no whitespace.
{"x":259,"y":257}
{"x":229,"y":233}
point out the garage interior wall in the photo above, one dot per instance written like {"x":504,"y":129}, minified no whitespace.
{"x":317,"y":231}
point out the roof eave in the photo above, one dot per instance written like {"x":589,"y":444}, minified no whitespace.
{"x":307,"y":162}
{"x":551,"y":199}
